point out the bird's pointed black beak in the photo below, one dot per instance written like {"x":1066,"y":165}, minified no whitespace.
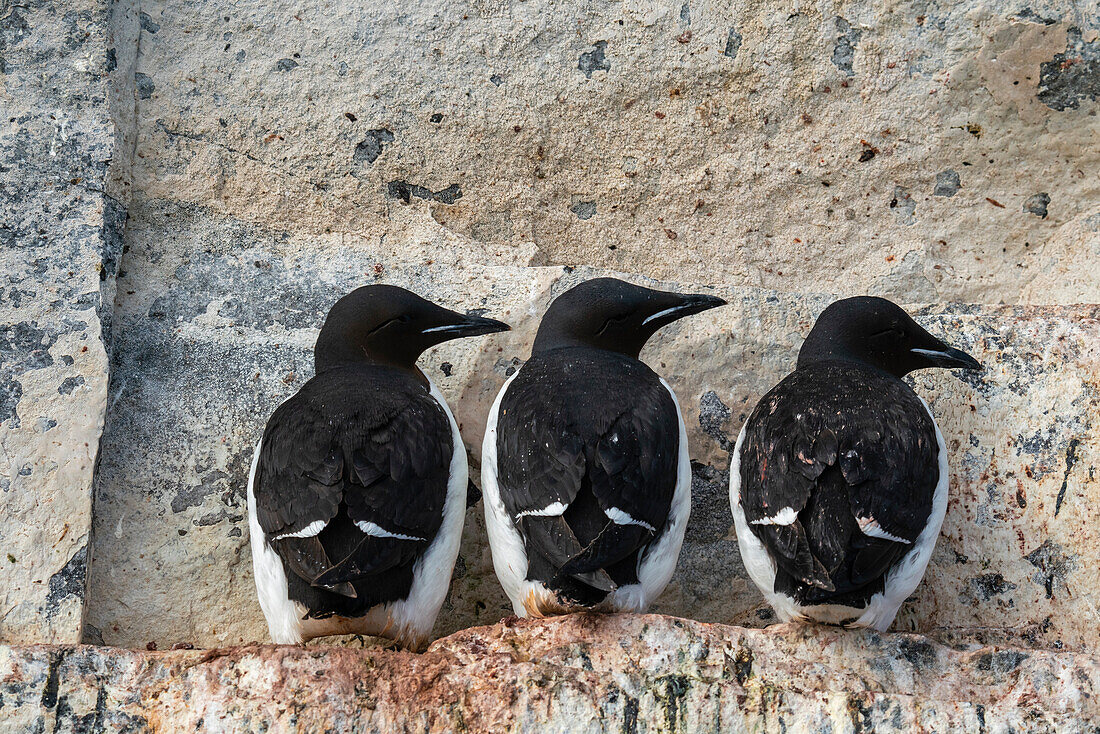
{"x":948,"y":357}
{"x":699,"y":302}
{"x":685,"y":304}
{"x":461,"y":325}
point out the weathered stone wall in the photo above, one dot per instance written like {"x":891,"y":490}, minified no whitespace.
{"x":203,"y":362}
{"x":284,"y":154}
{"x":925,"y":150}
{"x":240,"y":165}
{"x":265,"y":157}
{"x":623,"y":673}
{"x":59,"y":248}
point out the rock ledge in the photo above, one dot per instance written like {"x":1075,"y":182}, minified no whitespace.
{"x":584,"y":673}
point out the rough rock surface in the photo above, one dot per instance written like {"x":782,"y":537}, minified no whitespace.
{"x":59,"y":247}
{"x":719,"y":142}
{"x":628,"y":673}
{"x":201,"y":363}
{"x":280,"y":153}
{"x":268,"y":156}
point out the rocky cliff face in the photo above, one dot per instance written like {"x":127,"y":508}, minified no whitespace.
{"x":624,"y":673}
{"x":1015,"y":560}
{"x":60,"y":242}
{"x":929,"y":152}
{"x":187,"y":191}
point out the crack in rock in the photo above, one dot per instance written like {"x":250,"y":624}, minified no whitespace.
{"x":405,"y":191}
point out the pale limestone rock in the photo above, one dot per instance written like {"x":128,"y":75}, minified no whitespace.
{"x":59,"y":254}
{"x":739,"y":143}
{"x":202,"y":363}
{"x":628,"y":673}
{"x":284,"y":154}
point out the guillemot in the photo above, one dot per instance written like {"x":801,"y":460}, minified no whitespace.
{"x":357,"y":492}
{"x":839,"y":477}
{"x":585,"y":469}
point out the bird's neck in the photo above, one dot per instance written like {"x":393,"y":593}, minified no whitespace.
{"x":332,"y":351}
{"x":552,"y":336}
{"x":838,"y":353}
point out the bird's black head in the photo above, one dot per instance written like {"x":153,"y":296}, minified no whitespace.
{"x":877,"y":332}
{"x":606,"y":313}
{"x":384,"y":324}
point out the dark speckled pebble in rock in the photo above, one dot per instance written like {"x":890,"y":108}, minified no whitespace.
{"x":584,"y":209}
{"x":903,"y":206}
{"x":1072,"y":76}
{"x":987,"y":586}
{"x":595,"y":60}
{"x":371,"y":147}
{"x":147,"y":23}
{"x":947,"y":183}
{"x":70,"y":384}
{"x":847,"y":39}
{"x":144,"y":85}
{"x":1037,"y":205}
{"x":733,"y":44}
{"x":406,"y":192}
{"x":714,"y":417}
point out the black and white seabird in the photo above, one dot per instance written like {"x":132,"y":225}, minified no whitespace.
{"x":358,"y":487}
{"x":839,"y":478}
{"x":585,"y":471}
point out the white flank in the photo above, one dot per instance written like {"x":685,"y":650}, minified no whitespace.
{"x":509,"y":554}
{"x":758,"y":562}
{"x":869,"y":526}
{"x":379,"y":532}
{"x":283,"y":616}
{"x":619,"y":517}
{"x":786,"y":516}
{"x":554,"y":509}
{"x":308,"y":531}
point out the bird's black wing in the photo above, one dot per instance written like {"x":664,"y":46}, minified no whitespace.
{"x":852,"y":457}
{"x":585,"y":438}
{"x":363,"y":457}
